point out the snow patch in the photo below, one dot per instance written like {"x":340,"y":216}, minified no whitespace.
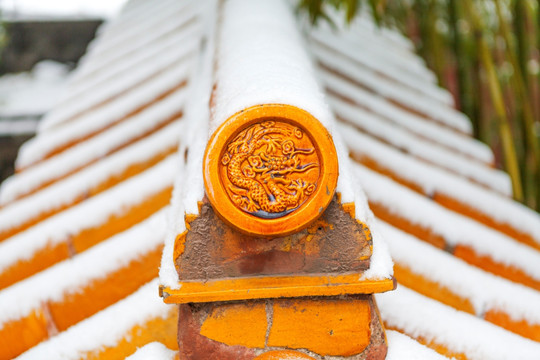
{"x":153,"y":351}
{"x":32,"y":93}
{"x":402,"y":347}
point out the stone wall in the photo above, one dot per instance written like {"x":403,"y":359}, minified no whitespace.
{"x":9,"y":145}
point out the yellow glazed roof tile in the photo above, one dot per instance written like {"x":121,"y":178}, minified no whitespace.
{"x":458,"y":203}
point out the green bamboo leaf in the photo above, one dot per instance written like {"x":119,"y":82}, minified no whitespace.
{"x":352,"y":7}
{"x":375,"y":12}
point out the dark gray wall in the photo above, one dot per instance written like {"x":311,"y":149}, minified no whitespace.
{"x":32,"y":41}
{"x":9,"y":145}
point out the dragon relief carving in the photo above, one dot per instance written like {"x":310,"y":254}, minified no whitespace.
{"x":268,"y":174}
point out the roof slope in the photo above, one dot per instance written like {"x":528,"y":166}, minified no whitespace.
{"x":84,"y":220}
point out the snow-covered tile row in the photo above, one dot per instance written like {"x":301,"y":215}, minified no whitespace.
{"x":127,"y":47}
{"x":392,"y":90}
{"x":459,"y":332}
{"x":94,"y":148}
{"x":364,"y":21}
{"x":67,"y":191}
{"x":383,"y":65}
{"x":413,"y":123}
{"x":145,"y":97}
{"x":131,"y":15}
{"x":124,"y":92}
{"x":130,"y":11}
{"x":106,"y":328}
{"x":71,"y":275}
{"x":131,"y":30}
{"x":141,"y":65}
{"x":91,"y":213}
{"x":362,"y":32}
{"x":483,"y":290}
{"x":435,"y":181}
{"x":401,"y":139}
{"x":454,"y":228}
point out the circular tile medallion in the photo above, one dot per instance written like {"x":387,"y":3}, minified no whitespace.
{"x":270,"y":170}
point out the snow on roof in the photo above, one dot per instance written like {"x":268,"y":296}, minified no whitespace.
{"x":484,"y":290}
{"x":390,"y":67}
{"x":409,"y":121}
{"x":362,"y":32}
{"x":130,"y":18}
{"x":132,"y":13}
{"x":116,"y":80}
{"x":454,"y":228}
{"x":130,"y":42}
{"x":418,"y":316}
{"x":156,"y":58}
{"x":108,"y":114}
{"x":95,"y":148}
{"x":402,"y":347}
{"x":399,"y":138}
{"x":71,"y":275}
{"x":85,"y":182}
{"x":139,"y":21}
{"x":89,"y":214}
{"x":434,"y":180}
{"x":104,"y":329}
{"x":153,"y":351}
{"x":381,"y":265}
{"x":391,"y":90}
{"x":267,"y":66}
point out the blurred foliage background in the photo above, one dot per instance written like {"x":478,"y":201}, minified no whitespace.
{"x":486,"y":52}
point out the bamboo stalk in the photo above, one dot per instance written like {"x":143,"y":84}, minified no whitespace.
{"x":531,"y":157}
{"x":466,"y":95}
{"x":521,"y":30}
{"x":458,"y":57}
{"x":510,"y":157}
{"x":435,"y":43}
